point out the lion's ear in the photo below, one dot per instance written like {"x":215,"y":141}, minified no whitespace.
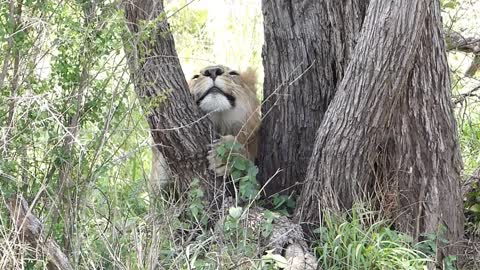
{"x":249,"y":76}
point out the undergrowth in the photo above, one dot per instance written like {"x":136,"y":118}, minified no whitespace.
{"x":358,"y":241}
{"x":354,"y":240}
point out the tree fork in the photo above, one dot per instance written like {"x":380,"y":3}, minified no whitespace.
{"x":308,"y":45}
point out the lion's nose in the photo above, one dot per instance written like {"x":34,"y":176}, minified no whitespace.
{"x":213,"y":72}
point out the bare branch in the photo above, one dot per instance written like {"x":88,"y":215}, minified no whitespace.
{"x":461,"y":97}
{"x":474,"y":66}
{"x":458,"y":42}
{"x":31,"y":231}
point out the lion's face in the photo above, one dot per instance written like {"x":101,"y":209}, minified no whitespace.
{"x":218,"y":88}
{"x":229,"y":98}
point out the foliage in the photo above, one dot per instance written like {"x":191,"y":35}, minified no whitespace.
{"x":470,"y":139}
{"x":357,"y":241}
{"x":217,"y":32}
{"x":73,"y":138}
{"x":283,"y":204}
{"x":196,"y":205}
{"x":272,"y":261}
{"x":449,"y":4}
{"x":430,"y":247}
{"x":76,"y":140}
{"x":459,"y":17}
{"x":242,"y":170}
{"x":236,"y":239}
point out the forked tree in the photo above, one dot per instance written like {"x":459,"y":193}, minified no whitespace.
{"x":367,"y":82}
{"x":308,"y":45}
{"x":382,"y":95}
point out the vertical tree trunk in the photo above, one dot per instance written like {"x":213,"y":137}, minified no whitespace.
{"x":307,"y":45}
{"x":390,"y":126}
{"x":178,"y":128}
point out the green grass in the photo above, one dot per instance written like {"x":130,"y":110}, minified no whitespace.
{"x":358,"y":241}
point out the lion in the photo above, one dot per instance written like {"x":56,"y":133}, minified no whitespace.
{"x":228,"y":97}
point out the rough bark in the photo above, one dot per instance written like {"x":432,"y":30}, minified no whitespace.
{"x":389,"y":133}
{"x":307,"y":45}
{"x":179,"y":131}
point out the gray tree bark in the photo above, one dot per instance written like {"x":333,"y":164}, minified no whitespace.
{"x":389,"y":133}
{"x":307,"y":46}
{"x":179,"y":130}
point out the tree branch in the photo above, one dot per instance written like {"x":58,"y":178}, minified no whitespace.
{"x":458,"y":42}
{"x":461,"y":97}
{"x":31,"y":231}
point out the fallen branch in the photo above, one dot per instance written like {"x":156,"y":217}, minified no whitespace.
{"x":30,"y":230}
{"x":286,"y":237}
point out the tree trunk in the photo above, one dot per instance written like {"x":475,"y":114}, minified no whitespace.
{"x":179,"y":131}
{"x":389,"y":133}
{"x":307,"y":45}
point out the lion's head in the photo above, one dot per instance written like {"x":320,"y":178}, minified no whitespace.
{"x":229,"y":98}
{"x":217,"y":88}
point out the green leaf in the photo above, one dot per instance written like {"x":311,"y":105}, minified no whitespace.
{"x":240,"y":164}
{"x":451,"y":5}
{"x":278,"y":259}
{"x":252,"y":170}
{"x":235,"y":212}
{"x":220,"y":150}
{"x":475,"y":208}
{"x":236,"y":175}
{"x":248,"y":189}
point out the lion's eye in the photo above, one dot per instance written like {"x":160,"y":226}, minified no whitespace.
{"x":233,"y":73}
{"x":195,"y":77}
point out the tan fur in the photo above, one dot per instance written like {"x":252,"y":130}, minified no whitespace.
{"x":246,"y":119}
{"x":239,"y":123}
